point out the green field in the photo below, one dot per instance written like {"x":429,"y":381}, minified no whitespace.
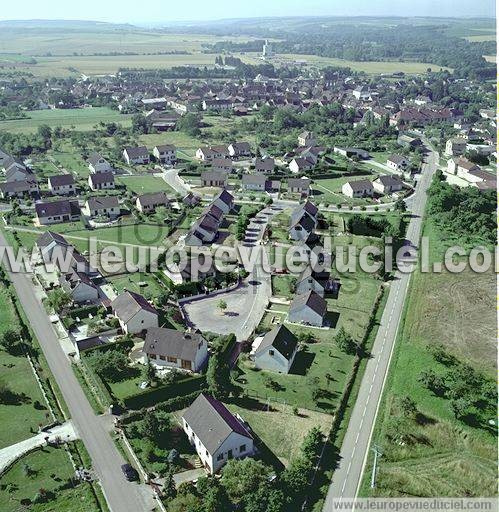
{"x":49,"y":469}
{"x":138,"y":282}
{"x":284,"y":443}
{"x":457,"y":311}
{"x":372,"y":68}
{"x":18,"y":416}
{"x":481,"y":39}
{"x":145,"y":184}
{"x":83,"y":119}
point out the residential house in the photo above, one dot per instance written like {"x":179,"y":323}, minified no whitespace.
{"x":255,"y":182}
{"x":214,"y":179}
{"x":48,"y":241}
{"x":398,"y":163}
{"x":101,"y":181}
{"x":224,"y":201}
{"x":165,"y":153}
{"x":222,"y":165}
{"x":239,"y":149}
{"x":134,"y":312}
{"x":387,"y":184}
{"x":358,"y":153}
{"x":191,"y":199}
{"x":27,"y":187}
{"x":79,"y":285}
{"x":103,"y":206}
{"x":460,"y":166}
{"x":455,"y":146}
{"x":319,"y":282}
{"x":15,"y":170}
{"x":308,"y":308}
{"x":306,"y":138}
{"x":300,"y":164}
{"x":276,"y":350}
{"x":359,"y":188}
{"x":299,"y":186}
{"x":62,"y":185}
{"x":408,"y":141}
{"x":264,"y":165}
{"x":303,"y":221}
{"x":97,"y":164}
{"x":136,"y":155}
{"x":217,"y":435}
{"x":57,"y":211}
{"x":147,"y":203}
{"x":171,"y":348}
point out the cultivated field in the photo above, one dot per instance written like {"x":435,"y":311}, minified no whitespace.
{"x":457,"y":311}
{"x":83,"y":119}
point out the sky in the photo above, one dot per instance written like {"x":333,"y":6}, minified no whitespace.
{"x":133,"y":11}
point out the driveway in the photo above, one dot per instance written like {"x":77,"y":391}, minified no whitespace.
{"x":175,"y":181}
{"x":246,"y":304}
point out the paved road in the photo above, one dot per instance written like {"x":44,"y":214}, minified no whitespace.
{"x":9,"y":454}
{"x":175,"y":181}
{"x":245,"y":305}
{"x":355,"y":448}
{"x":122,"y":496}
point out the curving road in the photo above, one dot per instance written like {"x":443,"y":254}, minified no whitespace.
{"x":246,"y":305}
{"x":355,"y":448}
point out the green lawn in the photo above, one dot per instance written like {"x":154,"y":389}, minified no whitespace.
{"x":145,"y":184}
{"x":82,"y":118}
{"x":267,"y":423}
{"x":136,"y":234}
{"x":138,"y":282}
{"x":18,"y":417}
{"x":329,"y":190}
{"x":457,"y":311}
{"x":50,"y":469}
{"x":282,"y":286}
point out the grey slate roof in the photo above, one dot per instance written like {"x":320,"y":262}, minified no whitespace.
{"x":137,"y":152}
{"x":282,"y":339}
{"x":170,"y":342}
{"x":128,"y":304}
{"x":153,"y":199}
{"x":312,"y":300}
{"x":61,"y":179}
{"x":96,"y":203}
{"x":55,"y":208}
{"x":48,"y":237}
{"x":102,"y":177}
{"x":212,"y":422}
{"x":94,"y":158}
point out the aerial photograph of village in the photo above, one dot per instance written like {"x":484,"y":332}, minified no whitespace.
{"x":247,"y":256}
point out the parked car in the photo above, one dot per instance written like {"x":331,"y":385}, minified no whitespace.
{"x":130,"y":472}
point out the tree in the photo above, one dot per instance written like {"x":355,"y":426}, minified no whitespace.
{"x":345,"y":342}
{"x":222,"y":305}
{"x":58,"y":299}
{"x":433,"y":382}
{"x":312,"y":443}
{"x":241,"y":478}
{"x":400,"y":205}
{"x":111,"y":365}
{"x":408,"y":406}
{"x":139,"y":124}
{"x":10,"y":340}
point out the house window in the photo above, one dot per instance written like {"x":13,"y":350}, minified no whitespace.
{"x":186,"y":364}
{"x":242,"y":448}
{"x":220,"y":456}
{"x":172,"y":359}
{"x":271,"y":352}
{"x":163,"y":358}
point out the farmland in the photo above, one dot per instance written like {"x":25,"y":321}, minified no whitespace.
{"x":83,"y":119}
{"x":456,"y":311}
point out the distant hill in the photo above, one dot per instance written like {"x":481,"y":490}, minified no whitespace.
{"x":63,"y":24}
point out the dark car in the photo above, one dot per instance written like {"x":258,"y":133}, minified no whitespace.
{"x":130,"y":472}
